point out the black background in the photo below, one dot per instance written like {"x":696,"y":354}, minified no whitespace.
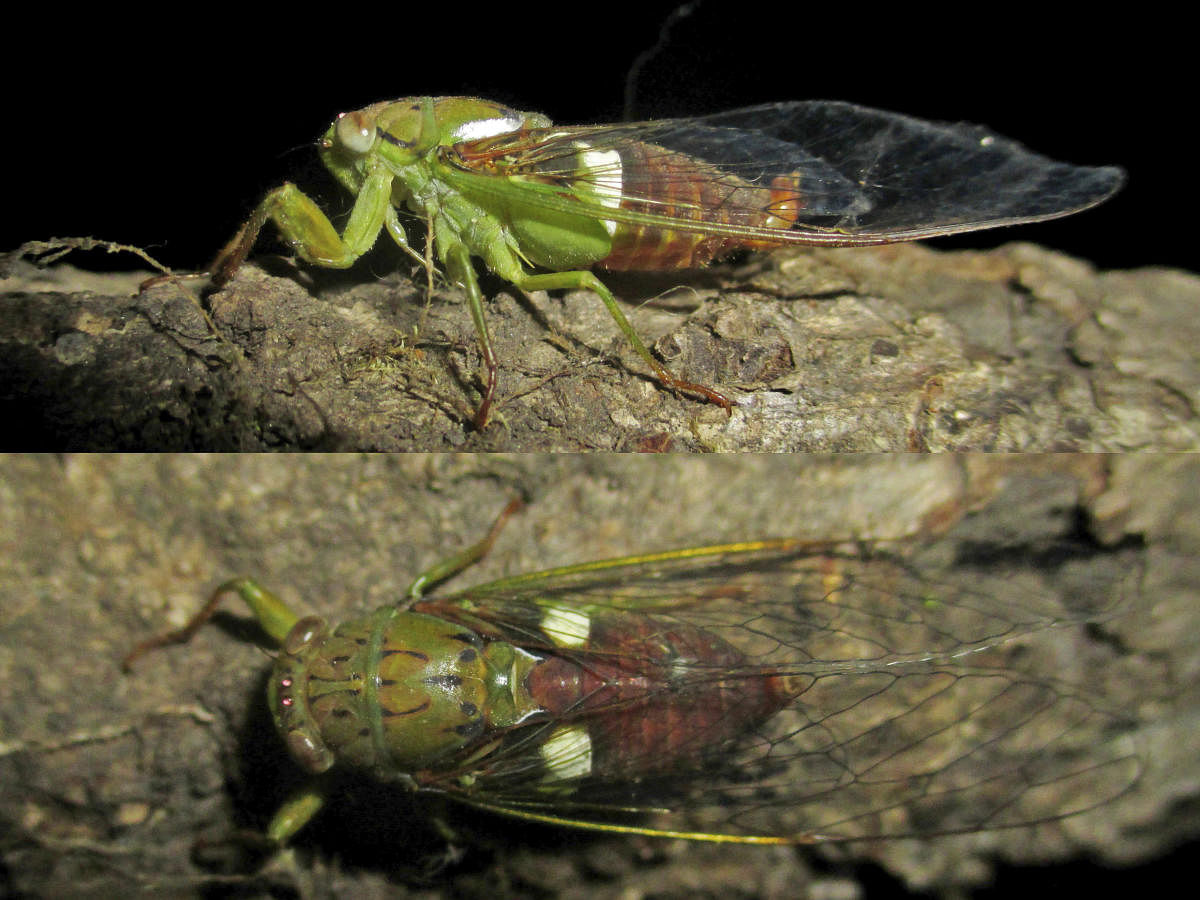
{"x":126,"y":128}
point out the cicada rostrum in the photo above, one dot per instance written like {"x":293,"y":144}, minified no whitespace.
{"x":773,"y":691}
{"x":543,"y":204}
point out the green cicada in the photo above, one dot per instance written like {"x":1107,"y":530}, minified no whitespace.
{"x":542,"y":205}
{"x":773,"y":691}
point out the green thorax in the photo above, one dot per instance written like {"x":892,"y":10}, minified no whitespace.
{"x":394,"y":692}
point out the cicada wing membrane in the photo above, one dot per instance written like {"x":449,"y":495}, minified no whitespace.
{"x":895,"y":703}
{"x":815,"y":172}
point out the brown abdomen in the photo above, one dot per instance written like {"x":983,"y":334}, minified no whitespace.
{"x":660,"y":181}
{"x":661,"y":694}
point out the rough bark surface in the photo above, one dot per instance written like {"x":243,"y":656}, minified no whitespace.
{"x":115,"y":785}
{"x":888,"y":348}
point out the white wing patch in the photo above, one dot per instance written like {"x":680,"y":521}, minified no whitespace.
{"x":566,"y":627}
{"x":606,"y":164}
{"x":567,"y":753}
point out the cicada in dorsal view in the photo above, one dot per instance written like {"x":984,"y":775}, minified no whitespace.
{"x":769,"y":692}
{"x":543,"y":205}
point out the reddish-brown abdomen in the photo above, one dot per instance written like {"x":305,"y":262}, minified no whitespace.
{"x":677,"y":185}
{"x":657,"y":695}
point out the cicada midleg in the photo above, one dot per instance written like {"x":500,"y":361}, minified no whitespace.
{"x":543,"y":204}
{"x":773,"y":691}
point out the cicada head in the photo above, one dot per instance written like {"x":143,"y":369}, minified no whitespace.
{"x":287,"y":695}
{"x":399,"y":131}
{"x":392,"y":693}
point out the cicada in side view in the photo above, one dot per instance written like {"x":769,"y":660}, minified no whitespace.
{"x":542,"y":204}
{"x":776,"y":691}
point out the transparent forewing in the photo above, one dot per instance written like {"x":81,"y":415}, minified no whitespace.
{"x":917,"y":705}
{"x":856,"y":175}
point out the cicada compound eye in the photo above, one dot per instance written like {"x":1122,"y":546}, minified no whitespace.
{"x":306,"y":632}
{"x":354,"y":133}
{"x":308,"y":750}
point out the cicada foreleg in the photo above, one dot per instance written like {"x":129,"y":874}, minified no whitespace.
{"x":585,"y":280}
{"x":272,"y":614}
{"x":308,"y":231}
